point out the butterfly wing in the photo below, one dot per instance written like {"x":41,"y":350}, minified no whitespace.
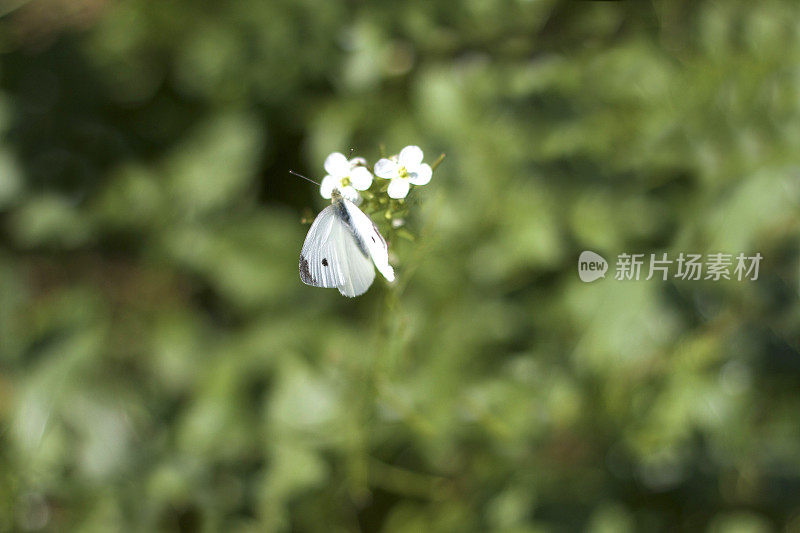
{"x":331,"y":256}
{"x":367,"y":232}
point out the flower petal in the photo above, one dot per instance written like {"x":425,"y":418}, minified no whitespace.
{"x":326,"y":187}
{"x":337,"y":165}
{"x":386,"y":169}
{"x":351,"y":194}
{"x":410,"y":157}
{"x":358,"y":161}
{"x":361,"y":178}
{"x":422,"y":175}
{"x":398,"y":188}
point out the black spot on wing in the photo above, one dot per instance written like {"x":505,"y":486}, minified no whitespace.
{"x":305,"y":274}
{"x":324,"y":262}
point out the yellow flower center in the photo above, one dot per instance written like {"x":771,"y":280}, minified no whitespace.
{"x":345,"y":181}
{"x":402,"y":172}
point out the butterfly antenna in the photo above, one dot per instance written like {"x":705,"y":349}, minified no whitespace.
{"x":305,"y":178}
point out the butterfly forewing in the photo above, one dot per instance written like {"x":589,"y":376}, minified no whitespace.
{"x":366,"y":230}
{"x":331,"y":256}
{"x":312,"y":270}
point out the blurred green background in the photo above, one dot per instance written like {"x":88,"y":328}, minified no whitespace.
{"x":162,"y":367}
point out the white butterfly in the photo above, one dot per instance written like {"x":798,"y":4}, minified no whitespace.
{"x":340,"y":248}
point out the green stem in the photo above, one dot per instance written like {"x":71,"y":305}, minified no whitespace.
{"x":437,"y":162}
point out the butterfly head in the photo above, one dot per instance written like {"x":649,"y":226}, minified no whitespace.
{"x":336,"y":196}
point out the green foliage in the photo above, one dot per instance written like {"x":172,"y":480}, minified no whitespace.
{"x":162,"y":367}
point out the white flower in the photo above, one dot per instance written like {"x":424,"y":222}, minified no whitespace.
{"x":348,"y":177}
{"x":405,"y":170}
